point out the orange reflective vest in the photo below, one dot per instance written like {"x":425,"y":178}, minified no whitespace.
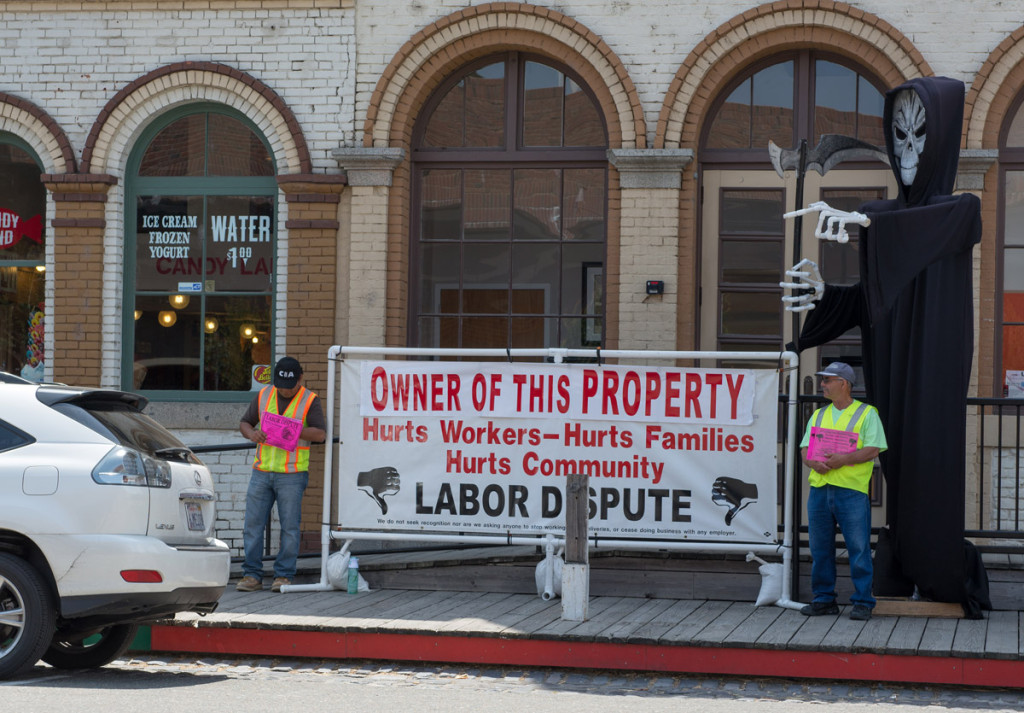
{"x":271,"y":459}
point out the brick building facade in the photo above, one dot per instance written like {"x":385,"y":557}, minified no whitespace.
{"x":339,"y":91}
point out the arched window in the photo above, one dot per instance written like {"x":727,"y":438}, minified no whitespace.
{"x":509,"y":209}
{"x":22,"y":259}
{"x":746,"y":244}
{"x":200,"y":219}
{"x":803,"y":97}
{"x":1010,"y":280}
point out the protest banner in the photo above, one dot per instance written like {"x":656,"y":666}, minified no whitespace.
{"x":485,"y":448}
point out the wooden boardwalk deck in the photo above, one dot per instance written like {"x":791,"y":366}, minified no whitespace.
{"x":681,"y":635}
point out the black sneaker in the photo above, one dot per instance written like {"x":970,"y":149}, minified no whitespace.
{"x":820,"y":609}
{"x":860,"y":612}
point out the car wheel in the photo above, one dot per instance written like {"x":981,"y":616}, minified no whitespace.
{"x":27,"y":615}
{"x":90,"y":649}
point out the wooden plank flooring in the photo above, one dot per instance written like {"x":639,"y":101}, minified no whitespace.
{"x":664,"y":622}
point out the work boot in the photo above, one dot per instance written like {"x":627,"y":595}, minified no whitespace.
{"x":820,"y":609}
{"x":860,"y":612}
{"x":249,"y":584}
{"x":278,"y":583}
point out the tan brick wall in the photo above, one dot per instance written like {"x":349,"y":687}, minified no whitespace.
{"x":989,"y":263}
{"x":989,"y":101}
{"x":613,"y":263}
{"x":312,"y":285}
{"x":688,"y":269}
{"x":368,"y":266}
{"x":78,"y":260}
{"x":649,"y":249}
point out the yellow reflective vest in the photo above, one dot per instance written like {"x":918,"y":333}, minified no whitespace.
{"x":271,"y":459}
{"x":855,"y":477}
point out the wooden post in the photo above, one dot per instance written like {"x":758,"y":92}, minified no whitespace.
{"x":576,"y":572}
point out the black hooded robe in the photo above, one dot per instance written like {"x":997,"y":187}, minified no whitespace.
{"x":914,"y":305}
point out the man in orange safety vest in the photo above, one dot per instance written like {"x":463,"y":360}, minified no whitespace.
{"x":282,"y":420}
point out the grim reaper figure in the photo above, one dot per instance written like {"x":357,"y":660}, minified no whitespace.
{"x":914,"y":307}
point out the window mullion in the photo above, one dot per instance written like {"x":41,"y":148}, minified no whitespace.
{"x":513,"y":99}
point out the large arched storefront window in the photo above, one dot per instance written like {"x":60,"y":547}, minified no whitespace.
{"x":509,"y":209}
{"x":746,"y":245}
{"x":199,"y":257}
{"x":1010,"y":300}
{"x":22,"y":259}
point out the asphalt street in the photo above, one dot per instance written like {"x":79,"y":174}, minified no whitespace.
{"x":179,"y":684}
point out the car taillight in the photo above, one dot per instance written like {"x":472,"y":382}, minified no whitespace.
{"x":123,"y":466}
{"x":141,"y":576}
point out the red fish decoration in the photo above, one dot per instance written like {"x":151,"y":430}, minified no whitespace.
{"x":13,"y":228}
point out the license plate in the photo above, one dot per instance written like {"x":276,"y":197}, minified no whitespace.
{"x":194,"y":513}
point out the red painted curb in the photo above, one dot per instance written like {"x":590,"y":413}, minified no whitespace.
{"x":594,"y":655}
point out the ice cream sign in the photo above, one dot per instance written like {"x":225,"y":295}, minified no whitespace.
{"x":13,"y":228}
{"x":170,"y":236}
{"x":224,"y":242}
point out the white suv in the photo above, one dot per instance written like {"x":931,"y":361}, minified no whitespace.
{"x":106,"y":521}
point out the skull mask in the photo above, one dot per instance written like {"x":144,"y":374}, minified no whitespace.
{"x":908,"y":132}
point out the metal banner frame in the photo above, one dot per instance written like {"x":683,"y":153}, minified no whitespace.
{"x":788,"y":361}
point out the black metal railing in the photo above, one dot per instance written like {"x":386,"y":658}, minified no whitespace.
{"x":996,"y":527}
{"x":1003,"y":454}
{"x":999,"y":514}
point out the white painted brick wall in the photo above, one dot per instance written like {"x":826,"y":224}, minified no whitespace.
{"x":71,"y":63}
{"x":649,"y":226}
{"x":653,"y":38}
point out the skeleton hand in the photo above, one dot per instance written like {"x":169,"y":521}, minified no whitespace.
{"x":831,"y":222}
{"x":810,"y":284}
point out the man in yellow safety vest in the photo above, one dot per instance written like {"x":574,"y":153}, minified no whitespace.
{"x":281,"y":420}
{"x":841,"y":441}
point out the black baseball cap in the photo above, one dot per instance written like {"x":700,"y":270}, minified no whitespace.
{"x":287,"y":372}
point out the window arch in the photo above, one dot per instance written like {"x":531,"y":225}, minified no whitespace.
{"x":509,"y":209}
{"x":22,"y":259}
{"x":787,"y":99}
{"x":200,"y":217}
{"x":802,"y":96}
{"x":1010,"y":256}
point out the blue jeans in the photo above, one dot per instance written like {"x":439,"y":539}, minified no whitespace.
{"x":264,"y":489}
{"x":851,"y":510}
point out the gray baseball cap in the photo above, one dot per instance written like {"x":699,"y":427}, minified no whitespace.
{"x":838,"y":368}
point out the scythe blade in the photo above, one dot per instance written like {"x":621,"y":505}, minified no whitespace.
{"x":831,"y":150}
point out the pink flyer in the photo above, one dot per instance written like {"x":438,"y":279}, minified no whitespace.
{"x":826,"y":441}
{"x":282,"y":432}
